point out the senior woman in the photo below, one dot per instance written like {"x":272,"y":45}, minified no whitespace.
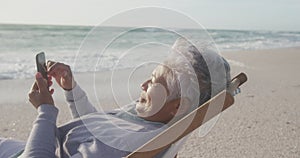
{"x":175,"y":87}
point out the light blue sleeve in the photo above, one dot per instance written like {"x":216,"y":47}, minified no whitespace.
{"x":78,"y":102}
{"x":42,"y":139}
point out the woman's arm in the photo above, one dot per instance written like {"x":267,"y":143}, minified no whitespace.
{"x":75,"y":96}
{"x":78,"y":102}
{"x":42,"y":139}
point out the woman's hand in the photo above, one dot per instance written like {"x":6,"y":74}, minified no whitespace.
{"x":39,"y":93}
{"x":62,"y":74}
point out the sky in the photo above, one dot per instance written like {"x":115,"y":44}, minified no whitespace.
{"x":214,"y":14}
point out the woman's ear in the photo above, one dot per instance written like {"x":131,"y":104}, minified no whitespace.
{"x":179,"y":107}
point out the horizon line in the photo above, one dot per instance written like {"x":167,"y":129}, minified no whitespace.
{"x":86,"y":25}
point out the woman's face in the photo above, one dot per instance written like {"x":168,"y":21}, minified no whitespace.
{"x":153,"y":95}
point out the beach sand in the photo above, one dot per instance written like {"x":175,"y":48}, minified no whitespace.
{"x":263,"y":122}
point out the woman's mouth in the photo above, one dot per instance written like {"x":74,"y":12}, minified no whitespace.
{"x":142,"y":100}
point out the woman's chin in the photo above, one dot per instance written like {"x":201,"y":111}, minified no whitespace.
{"x":142,"y":110}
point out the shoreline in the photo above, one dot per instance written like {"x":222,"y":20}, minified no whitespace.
{"x":288,"y":48}
{"x":262,"y":49}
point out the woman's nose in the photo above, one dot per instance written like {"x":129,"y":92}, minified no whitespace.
{"x":144,"y":86}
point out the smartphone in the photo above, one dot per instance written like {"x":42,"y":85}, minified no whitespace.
{"x":41,"y":64}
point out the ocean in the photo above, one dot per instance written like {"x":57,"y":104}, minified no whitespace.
{"x":20,"y":43}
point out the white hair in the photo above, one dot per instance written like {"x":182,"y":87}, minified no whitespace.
{"x":194,"y":74}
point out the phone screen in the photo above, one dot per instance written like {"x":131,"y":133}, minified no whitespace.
{"x":41,"y":64}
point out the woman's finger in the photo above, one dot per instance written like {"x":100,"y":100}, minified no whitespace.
{"x":41,"y":83}
{"x":49,"y":78}
{"x":50,"y":63}
{"x":51,"y":66}
{"x":50,"y":83}
{"x":34,"y":87}
{"x":51,"y":91}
